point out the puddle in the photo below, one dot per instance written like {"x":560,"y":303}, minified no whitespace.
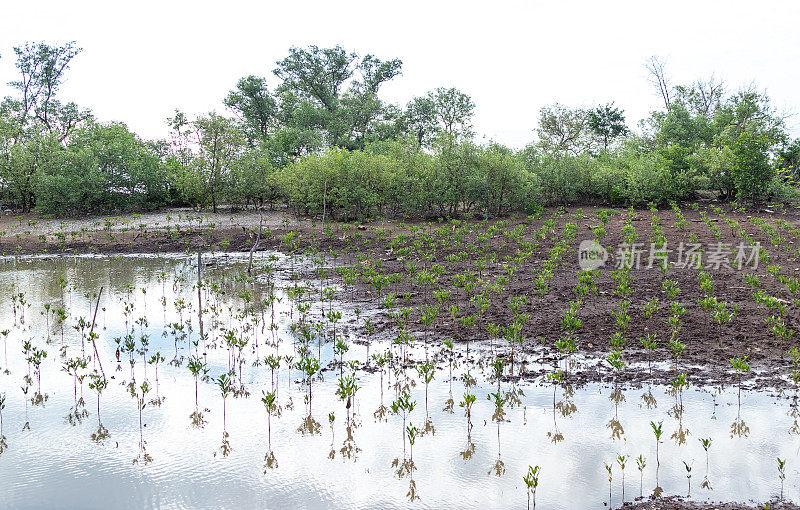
{"x":572,"y":433}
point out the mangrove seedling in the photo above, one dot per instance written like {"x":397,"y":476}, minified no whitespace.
{"x":403,"y":405}
{"x":741,"y":366}
{"x":641,"y":463}
{"x":466,"y":403}
{"x":412,"y":432}
{"x":309,"y":366}
{"x":268,"y":399}
{"x":688,"y":477}
{"x":2,"y":406}
{"x":98,"y":383}
{"x":781,"y":473}
{"x":622,"y":460}
{"x":531,"y":480}
{"x":197,"y":366}
{"x":225,"y":388}
{"x":658,"y":431}
{"x":426,"y":372}
{"x":155,"y":359}
{"x":5,"y":333}
{"x":139,"y":394}
{"x":706,"y":443}
{"x":650,"y":343}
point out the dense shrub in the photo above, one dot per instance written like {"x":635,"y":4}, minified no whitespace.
{"x":751,"y":169}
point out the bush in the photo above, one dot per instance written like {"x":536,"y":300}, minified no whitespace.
{"x":752,"y":171}
{"x":347,"y":184}
{"x":562,"y":179}
{"x":74,"y":184}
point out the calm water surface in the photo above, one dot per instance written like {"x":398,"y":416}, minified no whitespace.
{"x":54,"y":458}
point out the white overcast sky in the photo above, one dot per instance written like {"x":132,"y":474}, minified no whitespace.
{"x":143,"y":59}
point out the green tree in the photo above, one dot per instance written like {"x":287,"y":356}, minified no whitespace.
{"x":207,"y":151}
{"x":255,"y":107}
{"x":752,"y":170}
{"x":320,"y":91}
{"x":606,"y":122}
{"x":454,"y":110}
{"x":420,"y":120}
{"x":562,"y":130}
{"x":42,"y":68}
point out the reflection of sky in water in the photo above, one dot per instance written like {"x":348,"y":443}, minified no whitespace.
{"x":57,"y":464}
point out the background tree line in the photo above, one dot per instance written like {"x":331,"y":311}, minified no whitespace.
{"x":323,"y":139}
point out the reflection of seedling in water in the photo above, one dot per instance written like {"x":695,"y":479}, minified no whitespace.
{"x":781,"y":473}
{"x":531,"y":480}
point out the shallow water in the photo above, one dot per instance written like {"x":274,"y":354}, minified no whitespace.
{"x":570,"y":433}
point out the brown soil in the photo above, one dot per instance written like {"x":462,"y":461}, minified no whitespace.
{"x":709,"y":345}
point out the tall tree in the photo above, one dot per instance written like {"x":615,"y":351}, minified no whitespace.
{"x":606,"y":122}
{"x":656,"y":68}
{"x":454,"y":111}
{"x":562,"y":130}
{"x":255,"y":107}
{"x":321,"y":91}
{"x":42,"y":68}
{"x":703,"y":97}
{"x":420,"y":121}
{"x":207,"y":150}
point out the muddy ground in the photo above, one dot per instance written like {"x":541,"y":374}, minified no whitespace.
{"x":710,"y":346}
{"x":678,"y":503}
